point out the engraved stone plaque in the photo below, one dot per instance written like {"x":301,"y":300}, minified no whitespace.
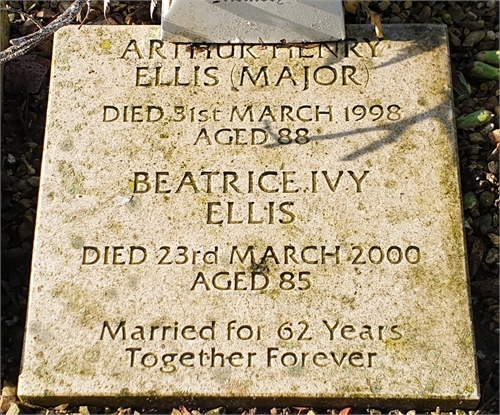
{"x":250,"y":225}
{"x":252,"y":21}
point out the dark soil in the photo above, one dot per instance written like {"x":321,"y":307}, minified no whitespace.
{"x":473,"y":27}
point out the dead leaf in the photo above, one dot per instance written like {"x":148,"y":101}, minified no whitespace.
{"x":275,"y":411}
{"x":216,"y":411}
{"x":494,"y":137}
{"x":152,"y":7}
{"x":345,"y":411}
{"x":486,"y":288}
{"x":106,"y":5}
{"x":494,"y":238}
{"x":175,"y":411}
{"x":46,"y":14}
{"x":376,"y":20}
{"x":438,"y":411}
{"x":351,"y":6}
{"x":61,"y":407}
{"x":476,"y":256}
{"x":25,"y":74}
{"x":9,"y":391}
{"x":83,"y":410}
{"x":9,"y":395}
{"x":184,"y":411}
{"x":494,"y":154}
{"x":13,"y":410}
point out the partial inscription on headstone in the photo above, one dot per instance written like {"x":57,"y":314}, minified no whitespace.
{"x":250,"y":225}
{"x":252,"y":21}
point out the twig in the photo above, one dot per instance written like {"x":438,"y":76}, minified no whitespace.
{"x":29,"y":405}
{"x":20,"y":12}
{"x":27,"y":42}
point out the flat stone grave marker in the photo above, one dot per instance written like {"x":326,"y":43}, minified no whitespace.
{"x":250,"y":225}
{"x":249,"y":21}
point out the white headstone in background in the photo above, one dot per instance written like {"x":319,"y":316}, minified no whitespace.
{"x":252,"y":21}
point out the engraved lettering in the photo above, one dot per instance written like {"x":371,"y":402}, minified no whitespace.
{"x":132,"y":47}
{"x":114,"y":334}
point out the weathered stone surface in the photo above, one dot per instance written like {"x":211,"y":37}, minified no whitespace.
{"x":271,"y":21}
{"x":168,"y":169}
